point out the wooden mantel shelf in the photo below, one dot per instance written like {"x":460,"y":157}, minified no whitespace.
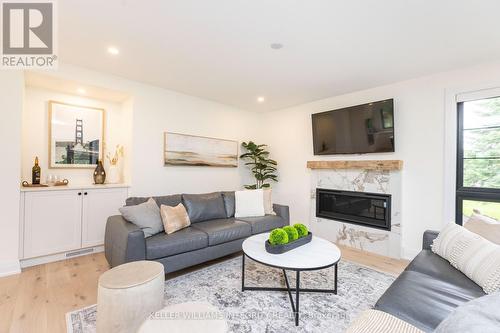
{"x":380,"y":165}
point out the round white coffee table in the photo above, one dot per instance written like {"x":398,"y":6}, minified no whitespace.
{"x":316,"y":255}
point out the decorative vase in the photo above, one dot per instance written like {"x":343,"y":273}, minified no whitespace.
{"x":99,"y":173}
{"x":113,"y":174}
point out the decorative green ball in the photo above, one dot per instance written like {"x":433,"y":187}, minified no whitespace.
{"x":301,"y":229}
{"x":278,"y":236}
{"x":292,"y":233}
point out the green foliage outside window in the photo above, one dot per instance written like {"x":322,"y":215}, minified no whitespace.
{"x":482,"y":143}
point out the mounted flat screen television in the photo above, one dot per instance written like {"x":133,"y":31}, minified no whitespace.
{"x":367,"y":128}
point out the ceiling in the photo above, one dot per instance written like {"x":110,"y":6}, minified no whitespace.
{"x":220,"y":49}
{"x":72,"y":87}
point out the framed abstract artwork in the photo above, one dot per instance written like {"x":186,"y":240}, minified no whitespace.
{"x":183,"y":149}
{"x":76,"y":135}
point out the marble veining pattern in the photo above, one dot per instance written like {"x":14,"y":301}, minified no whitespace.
{"x":365,"y":238}
{"x":266,"y":311}
{"x":358,"y":238}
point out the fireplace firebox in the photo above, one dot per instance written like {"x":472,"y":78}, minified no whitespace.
{"x":362,"y":208}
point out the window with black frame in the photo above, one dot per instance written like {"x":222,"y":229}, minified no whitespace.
{"x":478,"y":159}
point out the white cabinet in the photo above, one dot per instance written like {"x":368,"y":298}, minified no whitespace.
{"x":52,"y":222}
{"x":98,"y":205}
{"x":61,"y":220}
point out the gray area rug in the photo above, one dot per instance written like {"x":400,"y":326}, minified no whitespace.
{"x":267,"y":311}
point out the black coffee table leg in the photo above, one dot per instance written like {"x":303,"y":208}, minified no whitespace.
{"x":335,"y":280}
{"x":288,"y":289}
{"x":295,"y":307}
{"x":243,"y":272}
{"x":297,"y":289}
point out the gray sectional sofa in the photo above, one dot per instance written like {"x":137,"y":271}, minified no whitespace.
{"x":428,"y":290}
{"x":214,"y":232}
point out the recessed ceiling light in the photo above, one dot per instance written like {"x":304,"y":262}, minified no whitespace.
{"x":276,"y":46}
{"x":81,"y":91}
{"x":113,"y":50}
{"x":260,"y":99}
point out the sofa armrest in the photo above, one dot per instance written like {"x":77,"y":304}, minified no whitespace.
{"x":123,"y":241}
{"x":282,"y":211}
{"x":428,"y":238}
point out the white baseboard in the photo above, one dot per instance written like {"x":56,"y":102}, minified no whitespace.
{"x":9,"y":268}
{"x":408,"y":253}
{"x":60,"y":256}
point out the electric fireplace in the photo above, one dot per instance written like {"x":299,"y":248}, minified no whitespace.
{"x":362,"y":208}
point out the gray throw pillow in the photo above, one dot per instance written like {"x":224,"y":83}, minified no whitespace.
{"x":229,"y":203}
{"x":204,"y":207}
{"x":145,"y":215}
{"x":480,"y":315}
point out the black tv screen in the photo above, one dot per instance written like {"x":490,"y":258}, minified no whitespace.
{"x":367,"y":128}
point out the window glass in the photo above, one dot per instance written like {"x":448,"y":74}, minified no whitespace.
{"x":482,"y":113}
{"x":481,"y":143}
{"x":478,"y":162}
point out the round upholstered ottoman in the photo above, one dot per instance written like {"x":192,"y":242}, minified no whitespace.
{"x":128,"y":294}
{"x":192,"y":317}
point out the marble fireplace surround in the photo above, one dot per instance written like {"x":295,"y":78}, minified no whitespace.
{"x":379,"y":176}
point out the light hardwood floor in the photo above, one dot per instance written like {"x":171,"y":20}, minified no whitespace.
{"x":38,"y":299}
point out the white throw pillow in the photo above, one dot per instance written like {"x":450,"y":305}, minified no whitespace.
{"x":473,"y":255}
{"x":268,"y":202}
{"x":376,"y":321}
{"x":484,"y":226}
{"x":249,"y":203}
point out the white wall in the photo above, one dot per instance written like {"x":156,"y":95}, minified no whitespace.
{"x":419,"y":125}
{"x":155,"y":110}
{"x":11,"y":106}
{"x":35,"y":132}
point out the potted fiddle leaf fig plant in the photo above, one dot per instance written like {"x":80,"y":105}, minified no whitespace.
{"x":263,"y":168}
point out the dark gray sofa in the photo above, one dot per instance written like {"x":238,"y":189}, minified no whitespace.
{"x":214,"y":232}
{"x":428,"y":290}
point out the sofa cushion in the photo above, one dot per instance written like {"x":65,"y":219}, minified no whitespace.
{"x":422,"y":300}
{"x":429,"y":263}
{"x":264,"y":223}
{"x":268,"y":201}
{"x":480,"y":315}
{"x":224,"y":230}
{"x":167,"y":200}
{"x":249,"y":203}
{"x":145,"y":215}
{"x":204,"y":207}
{"x":484,"y":226}
{"x":174,"y":218}
{"x":229,"y":203}
{"x":475,"y":256}
{"x":163,"y":245}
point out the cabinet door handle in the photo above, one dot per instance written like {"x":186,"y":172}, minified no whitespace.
{"x":79,"y":193}
{"x":85,"y":193}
